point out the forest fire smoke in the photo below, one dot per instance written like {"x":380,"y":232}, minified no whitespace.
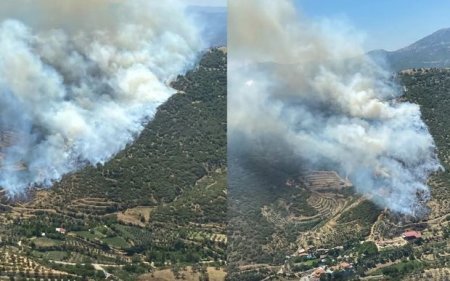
{"x":79,"y":79}
{"x":306,"y":89}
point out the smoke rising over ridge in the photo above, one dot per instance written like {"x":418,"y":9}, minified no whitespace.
{"x":79,"y":79}
{"x":305,"y":90}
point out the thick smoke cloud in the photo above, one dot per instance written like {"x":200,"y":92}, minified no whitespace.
{"x":79,"y":80}
{"x":305,"y":90}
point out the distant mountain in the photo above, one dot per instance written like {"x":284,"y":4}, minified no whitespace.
{"x":214,"y":21}
{"x":430,"y":51}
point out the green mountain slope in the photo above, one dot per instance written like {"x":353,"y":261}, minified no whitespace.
{"x":184,"y":141}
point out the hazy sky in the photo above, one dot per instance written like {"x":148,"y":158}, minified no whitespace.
{"x":387,"y":24}
{"x":212,"y":3}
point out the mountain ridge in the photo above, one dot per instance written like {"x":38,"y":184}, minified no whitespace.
{"x":430,"y":51}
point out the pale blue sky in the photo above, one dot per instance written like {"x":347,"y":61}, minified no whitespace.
{"x":387,"y":24}
{"x":207,"y":3}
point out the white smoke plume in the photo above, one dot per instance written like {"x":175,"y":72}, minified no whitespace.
{"x":79,"y":80}
{"x":305,"y":88}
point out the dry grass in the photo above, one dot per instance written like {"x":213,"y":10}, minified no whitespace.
{"x":167,"y":275}
{"x":135,"y":215}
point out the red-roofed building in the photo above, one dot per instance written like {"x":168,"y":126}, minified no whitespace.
{"x":345,"y":266}
{"x":319,"y":272}
{"x":60,"y":230}
{"x":411,"y":235}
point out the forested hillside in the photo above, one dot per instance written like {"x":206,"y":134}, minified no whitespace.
{"x":155,"y":208}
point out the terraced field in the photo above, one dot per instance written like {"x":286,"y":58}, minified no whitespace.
{"x":13,"y":264}
{"x":327,"y":204}
{"x":202,"y":236}
{"x":94,"y":206}
{"x":329,"y":231}
{"x":324,"y":180}
{"x":435,"y":274}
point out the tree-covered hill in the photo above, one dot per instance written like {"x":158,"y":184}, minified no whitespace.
{"x":185,"y":140}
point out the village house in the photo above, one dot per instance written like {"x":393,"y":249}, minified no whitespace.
{"x":60,"y":230}
{"x":411,"y":235}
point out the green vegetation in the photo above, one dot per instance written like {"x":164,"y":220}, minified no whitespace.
{"x":363,"y":215}
{"x":52,"y":255}
{"x":368,"y":248}
{"x":205,"y":203}
{"x":116,"y":242}
{"x":398,"y":270}
{"x":258,"y":206}
{"x":43,"y":242}
{"x":185,"y":140}
{"x":430,"y":88}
